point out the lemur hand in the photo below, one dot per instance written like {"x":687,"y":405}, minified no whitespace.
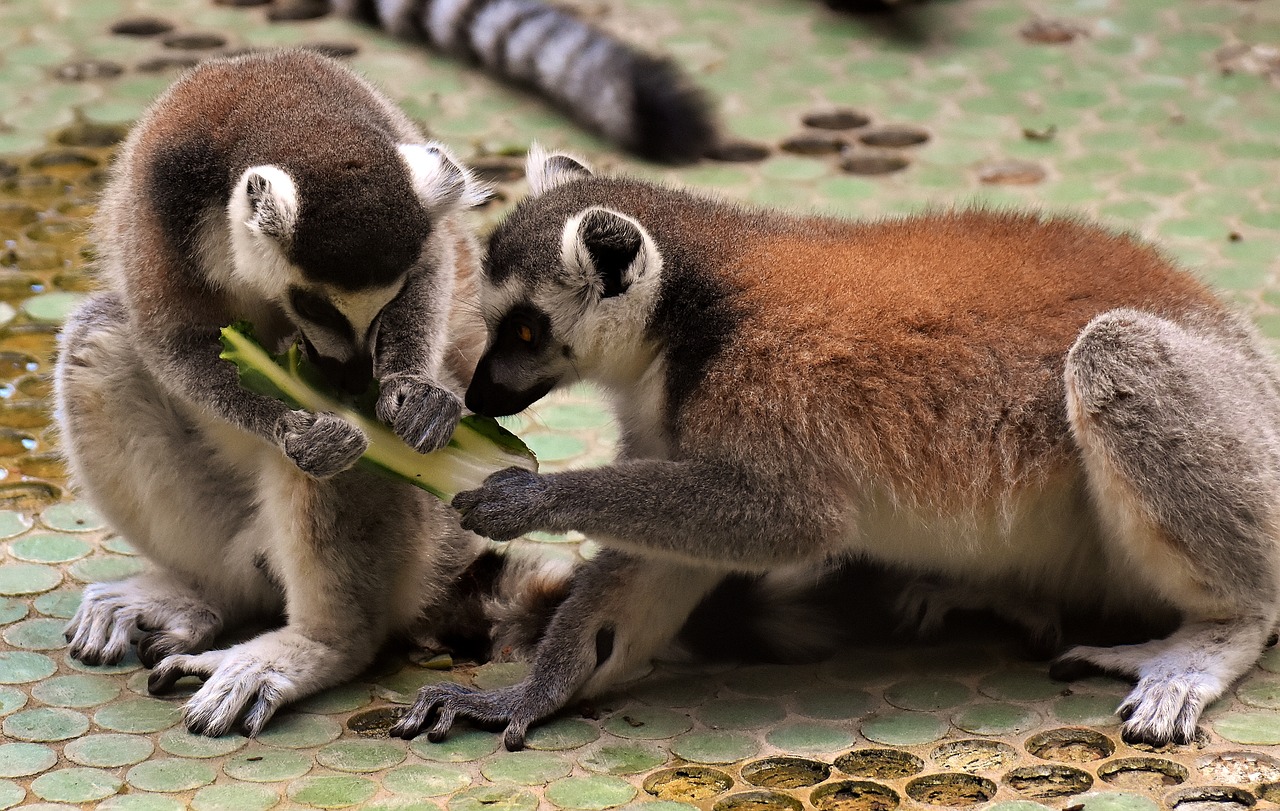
{"x":321,"y":445}
{"x":421,"y":412}
{"x":510,"y":503}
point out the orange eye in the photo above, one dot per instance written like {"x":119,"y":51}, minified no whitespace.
{"x":525,"y":333}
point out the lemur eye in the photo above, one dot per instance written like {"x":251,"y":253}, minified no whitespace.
{"x":318,"y":311}
{"x":525,"y":332}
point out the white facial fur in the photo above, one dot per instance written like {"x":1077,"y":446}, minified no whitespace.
{"x":441,"y":182}
{"x":261,"y":224}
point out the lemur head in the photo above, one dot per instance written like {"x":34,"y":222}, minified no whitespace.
{"x":332,"y":247}
{"x":567,"y":291}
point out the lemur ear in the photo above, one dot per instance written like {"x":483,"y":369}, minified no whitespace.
{"x":272,"y":201}
{"x":546,"y":171}
{"x":440,"y":180}
{"x":606,"y":251}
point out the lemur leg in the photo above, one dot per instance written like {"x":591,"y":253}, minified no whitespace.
{"x":925,"y":602}
{"x":1177,"y":434}
{"x":619,"y":612}
{"x":356,"y":557}
{"x":143,"y":462}
{"x":170,"y":616}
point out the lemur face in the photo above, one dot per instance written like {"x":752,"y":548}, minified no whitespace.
{"x":333,"y":261}
{"x":566,"y":292}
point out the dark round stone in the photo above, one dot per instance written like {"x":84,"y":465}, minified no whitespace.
{"x":141,"y":27}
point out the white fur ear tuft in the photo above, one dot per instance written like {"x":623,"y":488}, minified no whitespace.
{"x":270,"y":201}
{"x":606,"y":252}
{"x":546,"y":171}
{"x":440,"y":180}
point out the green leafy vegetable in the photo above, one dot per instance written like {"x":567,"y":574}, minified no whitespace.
{"x":478,"y":448}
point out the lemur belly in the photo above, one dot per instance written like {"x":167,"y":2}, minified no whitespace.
{"x":1046,"y":541}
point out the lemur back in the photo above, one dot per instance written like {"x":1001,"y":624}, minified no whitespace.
{"x":1017,"y":404}
{"x":283,"y":190}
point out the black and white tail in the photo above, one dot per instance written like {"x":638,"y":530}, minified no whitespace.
{"x":643,"y":102}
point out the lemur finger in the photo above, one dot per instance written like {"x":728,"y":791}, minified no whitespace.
{"x":444,"y":722}
{"x":514,"y":735}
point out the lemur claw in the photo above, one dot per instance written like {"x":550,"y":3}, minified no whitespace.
{"x":510,"y":503}
{"x":421,"y":412}
{"x":442,"y":705}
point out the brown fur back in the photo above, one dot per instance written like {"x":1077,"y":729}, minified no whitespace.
{"x":925,"y":353}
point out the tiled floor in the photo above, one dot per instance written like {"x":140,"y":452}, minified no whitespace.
{"x":1154,"y":115}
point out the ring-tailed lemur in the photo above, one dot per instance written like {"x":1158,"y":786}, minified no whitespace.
{"x":283,"y":190}
{"x":1018,"y":403}
{"x":642,"y":101}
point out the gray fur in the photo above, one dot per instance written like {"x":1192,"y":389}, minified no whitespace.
{"x":246,"y":509}
{"x":1156,"y":450}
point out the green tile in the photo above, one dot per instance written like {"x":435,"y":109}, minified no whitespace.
{"x":138,"y":715}
{"x":1249,"y":728}
{"x":806,"y":737}
{"x":300,"y":731}
{"x":461,"y":746}
{"x":995,"y":719}
{"x":903,"y":728}
{"x":72,"y":516}
{"x":494,"y":798}
{"x":361,"y":755}
{"x":168,"y":775}
{"x":234,"y":798}
{"x":178,"y":741}
{"x":1087,"y":710}
{"x":593,"y":793}
{"x":25,"y":759}
{"x":624,"y":758}
{"x":12,"y":610}
{"x":259,"y":765}
{"x":426,"y":780}
{"x":11,"y":793}
{"x":926,"y":694}
{"x":36,"y":634}
{"x":19,"y":667}
{"x":740,"y":713}
{"x":11,"y":700}
{"x":332,"y":791}
{"x":563,"y":733}
{"x":14,"y":523}
{"x":714,"y":747}
{"x":76,"y":691}
{"x":108,"y":750}
{"x":526,"y":768}
{"x":76,"y":785}
{"x":27,"y":578}
{"x":43,"y":547}
{"x":647,"y":723}
{"x":44,"y":724}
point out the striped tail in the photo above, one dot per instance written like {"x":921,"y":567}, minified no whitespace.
{"x":641,"y":101}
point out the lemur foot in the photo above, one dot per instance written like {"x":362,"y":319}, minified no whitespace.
{"x":510,"y":503}
{"x":1176,"y":677}
{"x":1165,"y":704}
{"x":321,"y":445}
{"x":421,"y":413}
{"x":170,"y":619}
{"x":447,"y":702}
{"x":247,"y":683}
{"x":924,"y":604}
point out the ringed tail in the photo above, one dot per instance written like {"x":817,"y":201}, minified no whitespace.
{"x":642,"y":101}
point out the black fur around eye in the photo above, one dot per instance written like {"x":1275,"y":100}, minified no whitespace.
{"x":525,"y":328}
{"x":319,"y":311}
